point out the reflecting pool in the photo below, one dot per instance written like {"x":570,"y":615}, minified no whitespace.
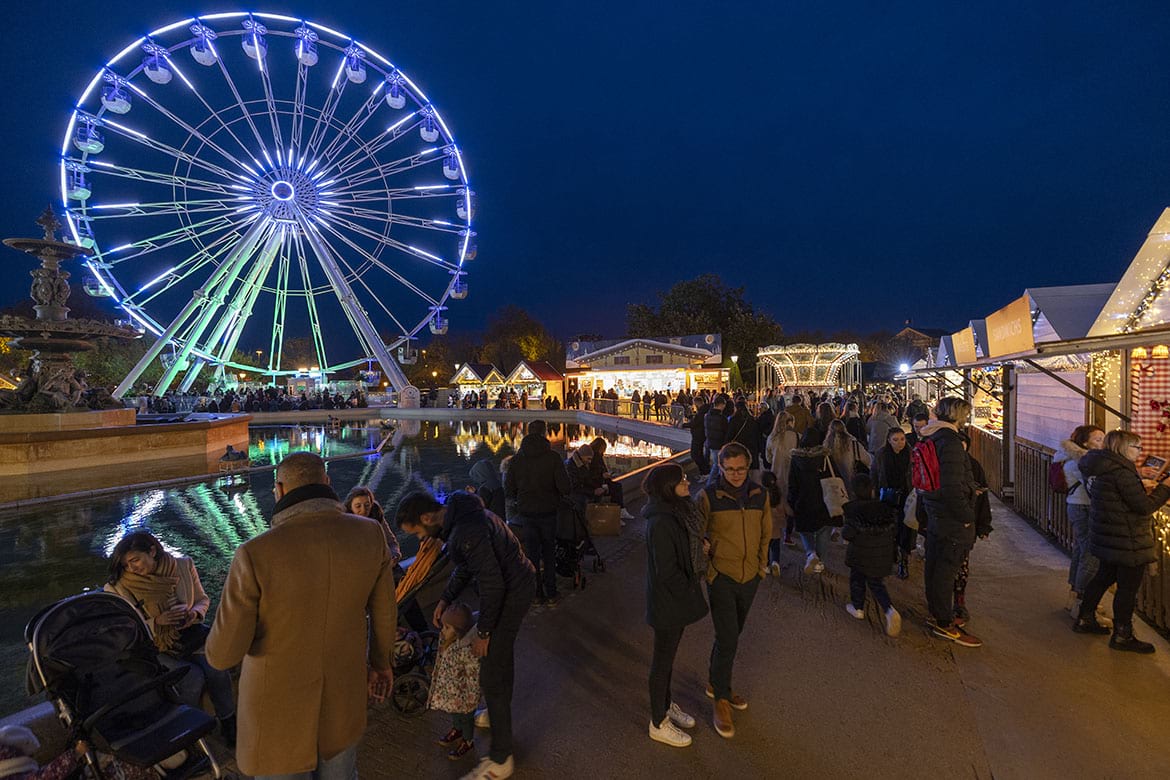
{"x":54,"y":550}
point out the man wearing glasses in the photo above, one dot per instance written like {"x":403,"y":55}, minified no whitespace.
{"x":738,"y":522}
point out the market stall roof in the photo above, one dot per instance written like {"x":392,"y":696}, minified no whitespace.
{"x":1067,"y":312}
{"x":477,"y":374}
{"x":1138,"y":301}
{"x":530,"y":370}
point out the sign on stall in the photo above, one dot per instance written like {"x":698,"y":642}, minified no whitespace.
{"x":964,"y":344}
{"x":1009,"y":330}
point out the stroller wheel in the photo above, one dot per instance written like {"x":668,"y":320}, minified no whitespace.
{"x":429,"y":641}
{"x":410,"y":693}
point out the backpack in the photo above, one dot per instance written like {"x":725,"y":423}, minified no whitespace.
{"x":1056,"y":479}
{"x":924,"y":466}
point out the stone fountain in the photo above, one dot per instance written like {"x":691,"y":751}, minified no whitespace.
{"x":60,"y":437}
{"x":52,"y":382}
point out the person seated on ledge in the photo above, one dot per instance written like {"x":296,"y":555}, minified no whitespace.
{"x":166,"y":591}
{"x":232,"y":455}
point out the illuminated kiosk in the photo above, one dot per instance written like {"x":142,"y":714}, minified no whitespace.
{"x":668,"y":363}
{"x":473,"y":377}
{"x":539,"y":378}
{"x":809,"y":365}
{"x":248,"y":178}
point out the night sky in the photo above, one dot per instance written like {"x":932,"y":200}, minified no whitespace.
{"x":852,"y":165}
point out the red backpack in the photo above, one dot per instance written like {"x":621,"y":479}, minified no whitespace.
{"x":924,"y":466}
{"x":1056,"y":478}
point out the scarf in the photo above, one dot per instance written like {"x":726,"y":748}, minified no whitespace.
{"x":156,"y":593}
{"x":693,"y":521}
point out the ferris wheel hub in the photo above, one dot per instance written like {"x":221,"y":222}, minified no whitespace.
{"x":283,"y":190}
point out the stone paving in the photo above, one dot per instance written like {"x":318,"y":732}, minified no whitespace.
{"x":829,"y":696}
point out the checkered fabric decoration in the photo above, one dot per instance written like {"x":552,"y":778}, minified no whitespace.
{"x":1151,"y":404}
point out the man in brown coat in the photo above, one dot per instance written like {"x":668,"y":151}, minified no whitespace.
{"x":294,"y":611}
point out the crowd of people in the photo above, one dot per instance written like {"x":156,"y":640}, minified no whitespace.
{"x":265,"y":399}
{"x":874,"y":475}
{"x":504,"y":398}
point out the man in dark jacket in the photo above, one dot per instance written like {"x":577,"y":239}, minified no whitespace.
{"x":715,"y":427}
{"x":699,"y":439}
{"x":742,"y":427}
{"x":537,"y":481}
{"x":485,"y":552}
{"x":950,"y":532}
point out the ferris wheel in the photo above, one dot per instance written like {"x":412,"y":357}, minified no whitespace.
{"x":249,"y":184}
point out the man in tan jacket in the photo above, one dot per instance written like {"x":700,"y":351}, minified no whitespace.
{"x":294,"y":612}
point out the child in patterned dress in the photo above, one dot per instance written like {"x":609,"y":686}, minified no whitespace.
{"x":455,"y":680}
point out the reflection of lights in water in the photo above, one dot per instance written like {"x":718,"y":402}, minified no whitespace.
{"x":135,"y":521}
{"x":626,"y":447}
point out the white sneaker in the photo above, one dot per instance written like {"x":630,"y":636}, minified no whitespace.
{"x":775,"y":568}
{"x":490,"y":770}
{"x":810,"y":563}
{"x":854,"y":611}
{"x":1074,"y":610}
{"x":669,"y":734}
{"x":679,"y":718}
{"x":482,"y":721}
{"x":893,"y":622}
{"x":626,"y":514}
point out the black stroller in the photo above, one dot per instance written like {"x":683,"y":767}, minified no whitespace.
{"x":415,"y":651}
{"x":573,"y":544}
{"x":95,"y":660}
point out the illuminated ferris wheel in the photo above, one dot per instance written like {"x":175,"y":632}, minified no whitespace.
{"x":245,"y":179}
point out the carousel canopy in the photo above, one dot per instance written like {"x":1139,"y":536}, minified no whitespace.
{"x":808,"y":365}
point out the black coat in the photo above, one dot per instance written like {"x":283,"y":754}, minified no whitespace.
{"x":674,"y":592}
{"x":870,"y":529}
{"x":951,"y":508}
{"x":892,"y":470}
{"x":804,"y":489}
{"x":1120,"y":510}
{"x":484,"y":550}
{"x":536,"y":478}
{"x":814,"y":436}
{"x":699,"y":427}
{"x":715,"y":428}
{"x":743,"y":429}
{"x":856,"y":428}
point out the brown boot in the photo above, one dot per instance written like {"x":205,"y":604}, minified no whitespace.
{"x":723,"y":725}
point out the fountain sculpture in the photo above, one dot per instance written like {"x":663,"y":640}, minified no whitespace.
{"x":52,"y":382}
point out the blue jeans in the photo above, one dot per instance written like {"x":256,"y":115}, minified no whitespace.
{"x":343,"y":766}
{"x":190,"y":686}
{"x":818,"y":541}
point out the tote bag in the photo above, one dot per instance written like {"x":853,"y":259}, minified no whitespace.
{"x":833,"y":491}
{"x":910,"y":515}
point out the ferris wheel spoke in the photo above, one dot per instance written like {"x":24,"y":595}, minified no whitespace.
{"x":160,"y":208}
{"x":371,"y":258}
{"x":276,"y":346}
{"x":358,"y":277}
{"x":351,"y":130}
{"x":387,"y":137}
{"x":245,"y":301}
{"x":155,"y":177}
{"x":142,"y":138}
{"x":381,"y":217}
{"x":273,"y":115}
{"x":247,"y":115}
{"x":393,"y":243}
{"x":395,"y":193}
{"x":195,"y":132}
{"x":174,"y":237}
{"x":298,"y":116}
{"x":165,"y":281}
{"x":325,"y":117}
{"x":427,"y":157}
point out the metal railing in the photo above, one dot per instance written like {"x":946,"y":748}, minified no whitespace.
{"x":987,"y":448}
{"x":1035,"y":499}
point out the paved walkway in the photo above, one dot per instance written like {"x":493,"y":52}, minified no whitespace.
{"x":830,"y":696}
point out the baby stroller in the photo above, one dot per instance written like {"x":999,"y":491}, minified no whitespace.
{"x":573,"y":544}
{"x":95,"y":660}
{"x":415,"y":651}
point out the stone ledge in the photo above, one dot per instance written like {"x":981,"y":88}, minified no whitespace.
{"x":18,"y":422}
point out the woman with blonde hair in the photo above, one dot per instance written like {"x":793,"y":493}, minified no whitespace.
{"x":779,"y":446}
{"x":1121,"y":534}
{"x":847,"y":454}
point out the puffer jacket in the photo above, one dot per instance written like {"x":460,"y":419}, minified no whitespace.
{"x":739,"y":525}
{"x":951,"y":508}
{"x":674,"y":592}
{"x":809,"y":465}
{"x":1072,"y":452}
{"x":1120,"y":510}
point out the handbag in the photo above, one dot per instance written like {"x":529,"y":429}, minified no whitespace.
{"x":192,"y":639}
{"x":910,"y":514}
{"x":859,"y":466}
{"x":833,"y":491}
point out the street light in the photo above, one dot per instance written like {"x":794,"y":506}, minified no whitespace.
{"x":904,"y":368}
{"x":735,"y":358}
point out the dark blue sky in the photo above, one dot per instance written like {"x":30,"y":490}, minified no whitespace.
{"x":852,"y":164}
